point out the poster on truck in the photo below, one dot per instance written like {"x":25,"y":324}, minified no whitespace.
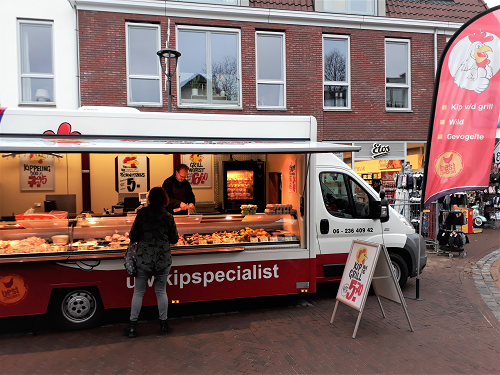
{"x":36,"y":172}
{"x":132,"y":174}
{"x":200,"y":170}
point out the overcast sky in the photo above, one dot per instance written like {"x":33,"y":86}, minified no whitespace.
{"x":492,"y":3}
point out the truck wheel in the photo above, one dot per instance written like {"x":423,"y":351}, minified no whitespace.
{"x":77,"y":309}
{"x":400,"y":269}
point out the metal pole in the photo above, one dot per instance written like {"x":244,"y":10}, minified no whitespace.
{"x":417,"y":281}
{"x":169,"y":78}
{"x":169,"y":96}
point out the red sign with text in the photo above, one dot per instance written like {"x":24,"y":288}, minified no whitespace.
{"x":463,"y":127}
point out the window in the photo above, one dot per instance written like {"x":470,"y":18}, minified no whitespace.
{"x":270,"y":70}
{"x":336,"y":75}
{"x":397,"y":74}
{"x":343,"y":197}
{"x":209,"y":71}
{"x":36,"y":59}
{"x":143,"y":67}
{"x":221,"y":2}
{"x":366,"y":7}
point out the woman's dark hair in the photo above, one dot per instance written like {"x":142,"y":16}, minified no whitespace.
{"x":157,"y":196}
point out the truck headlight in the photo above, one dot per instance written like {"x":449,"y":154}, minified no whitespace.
{"x":405,"y":221}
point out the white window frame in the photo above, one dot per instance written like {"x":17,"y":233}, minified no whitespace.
{"x":217,"y":2}
{"x":207,"y":30}
{"x":398,"y":85}
{"x":349,"y":8}
{"x":158,"y":76}
{"x":338,"y":83}
{"x":22,"y":75}
{"x":270,"y":81}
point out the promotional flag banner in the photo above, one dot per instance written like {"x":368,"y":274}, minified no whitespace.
{"x":465,"y":110}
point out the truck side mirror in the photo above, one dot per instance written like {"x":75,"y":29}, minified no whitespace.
{"x":384,"y":209}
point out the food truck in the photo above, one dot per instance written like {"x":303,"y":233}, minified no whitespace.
{"x":68,"y":262}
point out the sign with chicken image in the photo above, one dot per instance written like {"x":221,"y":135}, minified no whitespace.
{"x":466,"y":107}
{"x":132,"y":173}
{"x":12,"y":289}
{"x":200,"y":169}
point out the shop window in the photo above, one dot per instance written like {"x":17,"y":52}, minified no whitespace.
{"x":143,"y":68}
{"x":366,"y":7}
{"x":36,"y":59}
{"x":397,"y":74}
{"x":344,"y":197}
{"x":336,"y":75}
{"x":209,"y":71}
{"x":270,"y":70}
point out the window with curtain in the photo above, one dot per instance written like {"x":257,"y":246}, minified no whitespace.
{"x":271,"y":89}
{"x":36,"y":59}
{"x":336,"y":75}
{"x":397,"y":74}
{"x":143,"y":67}
{"x":209,"y":71}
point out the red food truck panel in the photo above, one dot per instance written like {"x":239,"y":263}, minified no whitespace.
{"x":26,"y":288}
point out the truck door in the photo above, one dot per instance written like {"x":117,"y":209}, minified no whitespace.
{"x":342,"y":215}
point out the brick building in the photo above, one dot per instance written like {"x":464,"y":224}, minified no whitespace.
{"x":364,"y":68}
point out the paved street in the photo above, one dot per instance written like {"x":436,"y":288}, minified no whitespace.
{"x":456,"y":332}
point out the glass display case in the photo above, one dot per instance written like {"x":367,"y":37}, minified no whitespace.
{"x":109,"y":235}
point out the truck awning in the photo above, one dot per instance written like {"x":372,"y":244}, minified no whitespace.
{"x":152,"y":145}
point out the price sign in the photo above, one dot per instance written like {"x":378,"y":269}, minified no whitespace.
{"x":263,"y":239}
{"x":36,"y":172}
{"x":274,"y":239}
{"x":231,"y":240}
{"x":217,"y":240}
{"x":203,"y":242}
{"x":200,"y":170}
{"x":254,"y":239}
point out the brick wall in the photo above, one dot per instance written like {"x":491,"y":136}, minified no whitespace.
{"x":104,"y":81}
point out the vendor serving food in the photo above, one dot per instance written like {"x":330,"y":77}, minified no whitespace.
{"x":179,"y":191}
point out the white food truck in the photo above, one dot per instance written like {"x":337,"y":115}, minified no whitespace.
{"x":287,"y":246}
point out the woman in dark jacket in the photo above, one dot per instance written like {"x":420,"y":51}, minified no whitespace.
{"x":154,"y":230}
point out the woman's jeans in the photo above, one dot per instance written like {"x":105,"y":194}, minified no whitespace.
{"x":140,"y":285}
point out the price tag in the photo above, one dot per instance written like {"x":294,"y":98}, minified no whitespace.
{"x":274,"y":239}
{"x":264,"y":239}
{"x":217,"y":240}
{"x":288,"y":238}
{"x":203,"y":242}
{"x":254,"y":239}
{"x":231,"y":240}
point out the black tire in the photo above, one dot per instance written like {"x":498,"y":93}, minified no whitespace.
{"x":400,"y":269}
{"x":478,"y":222}
{"x":77,"y":309}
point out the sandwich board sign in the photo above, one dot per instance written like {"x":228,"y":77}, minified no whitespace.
{"x":368,"y":264}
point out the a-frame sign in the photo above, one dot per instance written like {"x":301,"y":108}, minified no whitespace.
{"x":368,"y":264}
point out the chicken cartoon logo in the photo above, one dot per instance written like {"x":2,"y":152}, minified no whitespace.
{"x":470,"y":61}
{"x":12,"y":289}
{"x":449,"y":164}
{"x":36,"y":158}
{"x":131,"y":162}
{"x":362,"y":255}
{"x":196,"y":158}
